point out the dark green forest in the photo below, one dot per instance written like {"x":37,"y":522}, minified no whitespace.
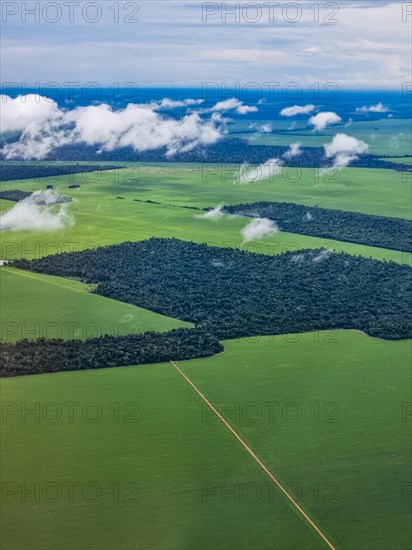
{"x":28,"y":357}
{"x":384,"y":232}
{"x":231,"y":293}
{"x":28,"y":170}
{"x":229,"y":150}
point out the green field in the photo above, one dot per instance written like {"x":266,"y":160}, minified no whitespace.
{"x":405,"y":160}
{"x":388,"y":136}
{"x":34,"y":305}
{"x":101,"y":218}
{"x":345,"y":460}
{"x":171,"y":475}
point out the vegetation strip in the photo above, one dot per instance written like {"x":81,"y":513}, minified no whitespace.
{"x":380,"y":231}
{"x":256,"y":458}
{"x":21,"y":171}
{"x":229,"y":150}
{"x":55,"y":355}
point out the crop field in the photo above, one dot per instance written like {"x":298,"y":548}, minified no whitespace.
{"x":35,"y":305}
{"x":101,"y":217}
{"x":384,"y":137}
{"x":147,"y":460}
{"x":115,"y":456}
{"x":340,"y":427}
{"x":372,"y":191}
{"x":128,"y":454}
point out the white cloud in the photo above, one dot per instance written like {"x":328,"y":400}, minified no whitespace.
{"x":233,"y":104}
{"x":25,"y":111}
{"x":136,"y":126}
{"x":297,"y":110}
{"x":378,"y":108}
{"x":40,"y":211}
{"x":213,"y":214}
{"x":293,"y":151}
{"x":324,"y":119}
{"x":167,"y":103}
{"x":252,"y":174}
{"x":258,"y":228}
{"x":344,"y":149}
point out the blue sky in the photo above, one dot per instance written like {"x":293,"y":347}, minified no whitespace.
{"x":169,"y":43}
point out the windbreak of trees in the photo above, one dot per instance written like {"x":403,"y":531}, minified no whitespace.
{"x":28,"y":357}
{"x":230,"y":293}
{"x":20,"y":171}
{"x":149,"y":201}
{"x":384,"y":232}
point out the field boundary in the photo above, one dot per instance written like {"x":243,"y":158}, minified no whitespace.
{"x":257,"y":459}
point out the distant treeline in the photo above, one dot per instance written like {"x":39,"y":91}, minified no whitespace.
{"x":28,"y":357}
{"x":229,"y":151}
{"x":20,"y":171}
{"x":14,"y":195}
{"x":231,"y":293}
{"x":167,"y":204}
{"x":384,"y":232}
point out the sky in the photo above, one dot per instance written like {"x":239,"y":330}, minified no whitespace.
{"x":167,"y":43}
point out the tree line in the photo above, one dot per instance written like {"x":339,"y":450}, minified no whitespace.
{"x":20,"y":171}
{"x":229,"y":151}
{"x":36,"y":357}
{"x":381,"y":231}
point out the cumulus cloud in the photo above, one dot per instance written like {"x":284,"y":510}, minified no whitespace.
{"x":293,"y":151}
{"x":378,"y":108}
{"x":41,"y":211}
{"x":213,"y":214}
{"x":252,"y":174}
{"x":297,"y":110}
{"x":233,"y":104}
{"x":324,"y":119}
{"x":344,"y":149}
{"x":136,"y":126}
{"x":25,"y":111}
{"x":258,"y":229}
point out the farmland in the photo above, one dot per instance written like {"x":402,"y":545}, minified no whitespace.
{"x":385,"y":137}
{"x":103,"y":218}
{"x":165,"y":465}
{"x":36,"y":305}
